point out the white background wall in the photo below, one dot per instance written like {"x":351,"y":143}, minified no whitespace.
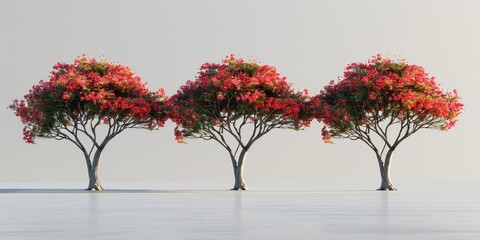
{"x":310,"y":42}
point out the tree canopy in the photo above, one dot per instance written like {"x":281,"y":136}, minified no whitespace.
{"x":227,"y":96}
{"x":384,"y":91}
{"x":88,"y":93}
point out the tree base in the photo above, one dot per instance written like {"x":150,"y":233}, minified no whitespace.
{"x":239,"y":186}
{"x":95,"y":187}
{"x":387,"y":187}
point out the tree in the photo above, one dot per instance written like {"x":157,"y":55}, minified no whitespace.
{"x":235,"y":103}
{"x":382,"y":103}
{"x":89,"y":103}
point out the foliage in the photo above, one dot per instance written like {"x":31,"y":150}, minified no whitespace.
{"x":227,"y":96}
{"x":83,"y":95}
{"x":371,"y":97}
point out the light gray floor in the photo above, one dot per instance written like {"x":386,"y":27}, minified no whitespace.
{"x":433,"y":211}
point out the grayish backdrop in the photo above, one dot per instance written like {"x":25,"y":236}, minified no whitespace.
{"x":310,"y":42}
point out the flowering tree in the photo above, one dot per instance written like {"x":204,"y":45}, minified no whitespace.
{"x":235,"y":103}
{"x":88,"y":103}
{"x":382,"y":103}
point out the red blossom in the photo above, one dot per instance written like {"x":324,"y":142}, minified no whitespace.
{"x":382,"y":88}
{"x":237,"y":88}
{"x":88,"y":88}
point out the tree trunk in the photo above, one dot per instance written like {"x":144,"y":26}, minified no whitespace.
{"x":94,"y":182}
{"x":238,"y":172}
{"x":386,"y":184}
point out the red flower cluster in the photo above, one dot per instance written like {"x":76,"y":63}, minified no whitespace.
{"x":237,"y":88}
{"x":380,"y":89}
{"x":89,"y":88}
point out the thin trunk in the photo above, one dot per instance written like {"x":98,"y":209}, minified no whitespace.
{"x":380,"y":164}
{"x":386,"y":184}
{"x":238,"y":171}
{"x":94,"y":182}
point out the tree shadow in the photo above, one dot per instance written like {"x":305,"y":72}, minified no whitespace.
{"x":64,"y":190}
